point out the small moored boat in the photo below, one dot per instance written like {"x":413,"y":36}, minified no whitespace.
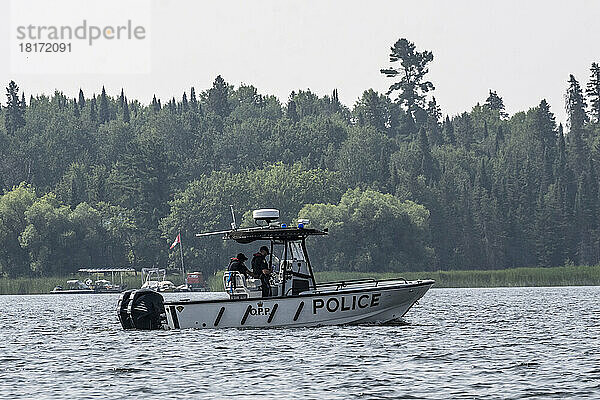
{"x":297,"y":299}
{"x":75,"y":286}
{"x":156,"y":279}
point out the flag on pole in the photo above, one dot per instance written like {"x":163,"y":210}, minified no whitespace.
{"x":177,"y":240}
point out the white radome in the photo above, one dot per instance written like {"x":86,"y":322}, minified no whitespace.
{"x":265,"y":214}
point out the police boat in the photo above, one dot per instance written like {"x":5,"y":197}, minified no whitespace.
{"x":296,"y":300}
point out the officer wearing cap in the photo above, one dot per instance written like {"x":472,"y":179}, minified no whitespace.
{"x":237,"y":264}
{"x":261,"y":269}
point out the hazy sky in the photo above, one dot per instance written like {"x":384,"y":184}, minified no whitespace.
{"x":525,"y":50}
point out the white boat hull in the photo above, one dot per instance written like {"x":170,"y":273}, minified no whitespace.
{"x":340,"y":306}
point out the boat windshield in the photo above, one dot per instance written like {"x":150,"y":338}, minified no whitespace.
{"x":296,"y":250}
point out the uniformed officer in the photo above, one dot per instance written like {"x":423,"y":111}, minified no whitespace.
{"x":261,"y":269}
{"x":237,"y":264}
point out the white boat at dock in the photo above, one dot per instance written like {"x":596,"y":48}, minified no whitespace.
{"x":99,"y":285}
{"x":297,"y":299}
{"x":156,"y":279}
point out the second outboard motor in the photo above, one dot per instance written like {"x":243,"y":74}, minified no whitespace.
{"x":122,"y":310}
{"x":141,"y":309}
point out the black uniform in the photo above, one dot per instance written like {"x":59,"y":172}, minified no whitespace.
{"x":258,"y":264}
{"x":238,"y":266}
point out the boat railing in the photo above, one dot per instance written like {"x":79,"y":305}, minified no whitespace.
{"x":332,"y":283}
{"x":342,"y":284}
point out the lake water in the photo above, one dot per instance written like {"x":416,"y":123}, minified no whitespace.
{"x":456,"y":343}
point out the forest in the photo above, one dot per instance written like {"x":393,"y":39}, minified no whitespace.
{"x":101,"y":180}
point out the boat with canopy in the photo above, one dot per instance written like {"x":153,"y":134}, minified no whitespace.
{"x":297,"y":299}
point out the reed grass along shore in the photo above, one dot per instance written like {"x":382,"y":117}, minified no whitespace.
{"x":514,"y":277}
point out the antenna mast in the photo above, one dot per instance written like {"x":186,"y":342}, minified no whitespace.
{"x":182,"y":265}
{"x":233,"y":224}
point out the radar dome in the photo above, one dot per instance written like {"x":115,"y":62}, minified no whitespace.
{"x":265,"y":214}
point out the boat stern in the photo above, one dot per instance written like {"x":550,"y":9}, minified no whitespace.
{"x":142,"y":309}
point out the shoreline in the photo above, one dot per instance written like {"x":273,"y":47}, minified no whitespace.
{"x":512,"y":277}
{"x":500,"y":278}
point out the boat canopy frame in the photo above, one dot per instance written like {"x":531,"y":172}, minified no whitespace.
{"x":111,"y":271}
{"x":275,"y":235}
{"x":249,"y":235}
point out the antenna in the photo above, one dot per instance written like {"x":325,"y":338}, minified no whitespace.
{"x":233,"y":224}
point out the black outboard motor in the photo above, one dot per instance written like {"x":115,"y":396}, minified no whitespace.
{"x":141,"y":309}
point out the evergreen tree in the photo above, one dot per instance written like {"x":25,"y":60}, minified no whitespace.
{"x":81,"y":99}
{"x":155,"y":104}
{"x":495,"y":103}
{"x":184,"y":103}
{"x":448,"y":130}
{"x":481,"y":178}
{"x":93,"y":112}
{"x":464,"y":130}
{"x":577,"y":151}
{"x":500,"y":134}
{"x":550,"y":229}
{"x":485,"y":130}
{"x":75,"y":108}
{"x":121,"y":99}
{"x":427,"y":165}
{"x":193,"y":100}
{"x":434,"y":110}
{"x":497,"y":141}
{"x":585,"y":215}
{"x":561,"y":156}
{"x":60,"y":99}
{"x":103,"y":112}
{"x":545,"y":131}
{"x":575,"y":106}
{"x":291,"y":111}
{"x":126,"y":116}
{"x":14,"y":115}
{"x":434,"y":114}
{"x":412,"y":70}
{"x":218,"y":101}
{"x":593,"y":92}
{"x":372,"y":110}
{"x":335,"y":101}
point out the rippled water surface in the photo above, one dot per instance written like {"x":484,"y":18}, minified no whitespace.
{"x":457,"y":343}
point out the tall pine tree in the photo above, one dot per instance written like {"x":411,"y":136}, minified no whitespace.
{"x":193,"y":99}
{"x":575,"y":106}
{"x":495,"y":103}
{"x":184,"y":103}
{"x":14,"y":115}
{"x":121,"y":99}
{"x":593,"y":92}
{"x":126,"y":115}
{"x":448,"y":130}
{"x":76,"y":112}
{"x":93,"y":112}
{"x":81,"y":99}
{"x":218,"y":101}
{"x":411,"y":71}
{"x":103,"y":112}
{"x":155,"y":104}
